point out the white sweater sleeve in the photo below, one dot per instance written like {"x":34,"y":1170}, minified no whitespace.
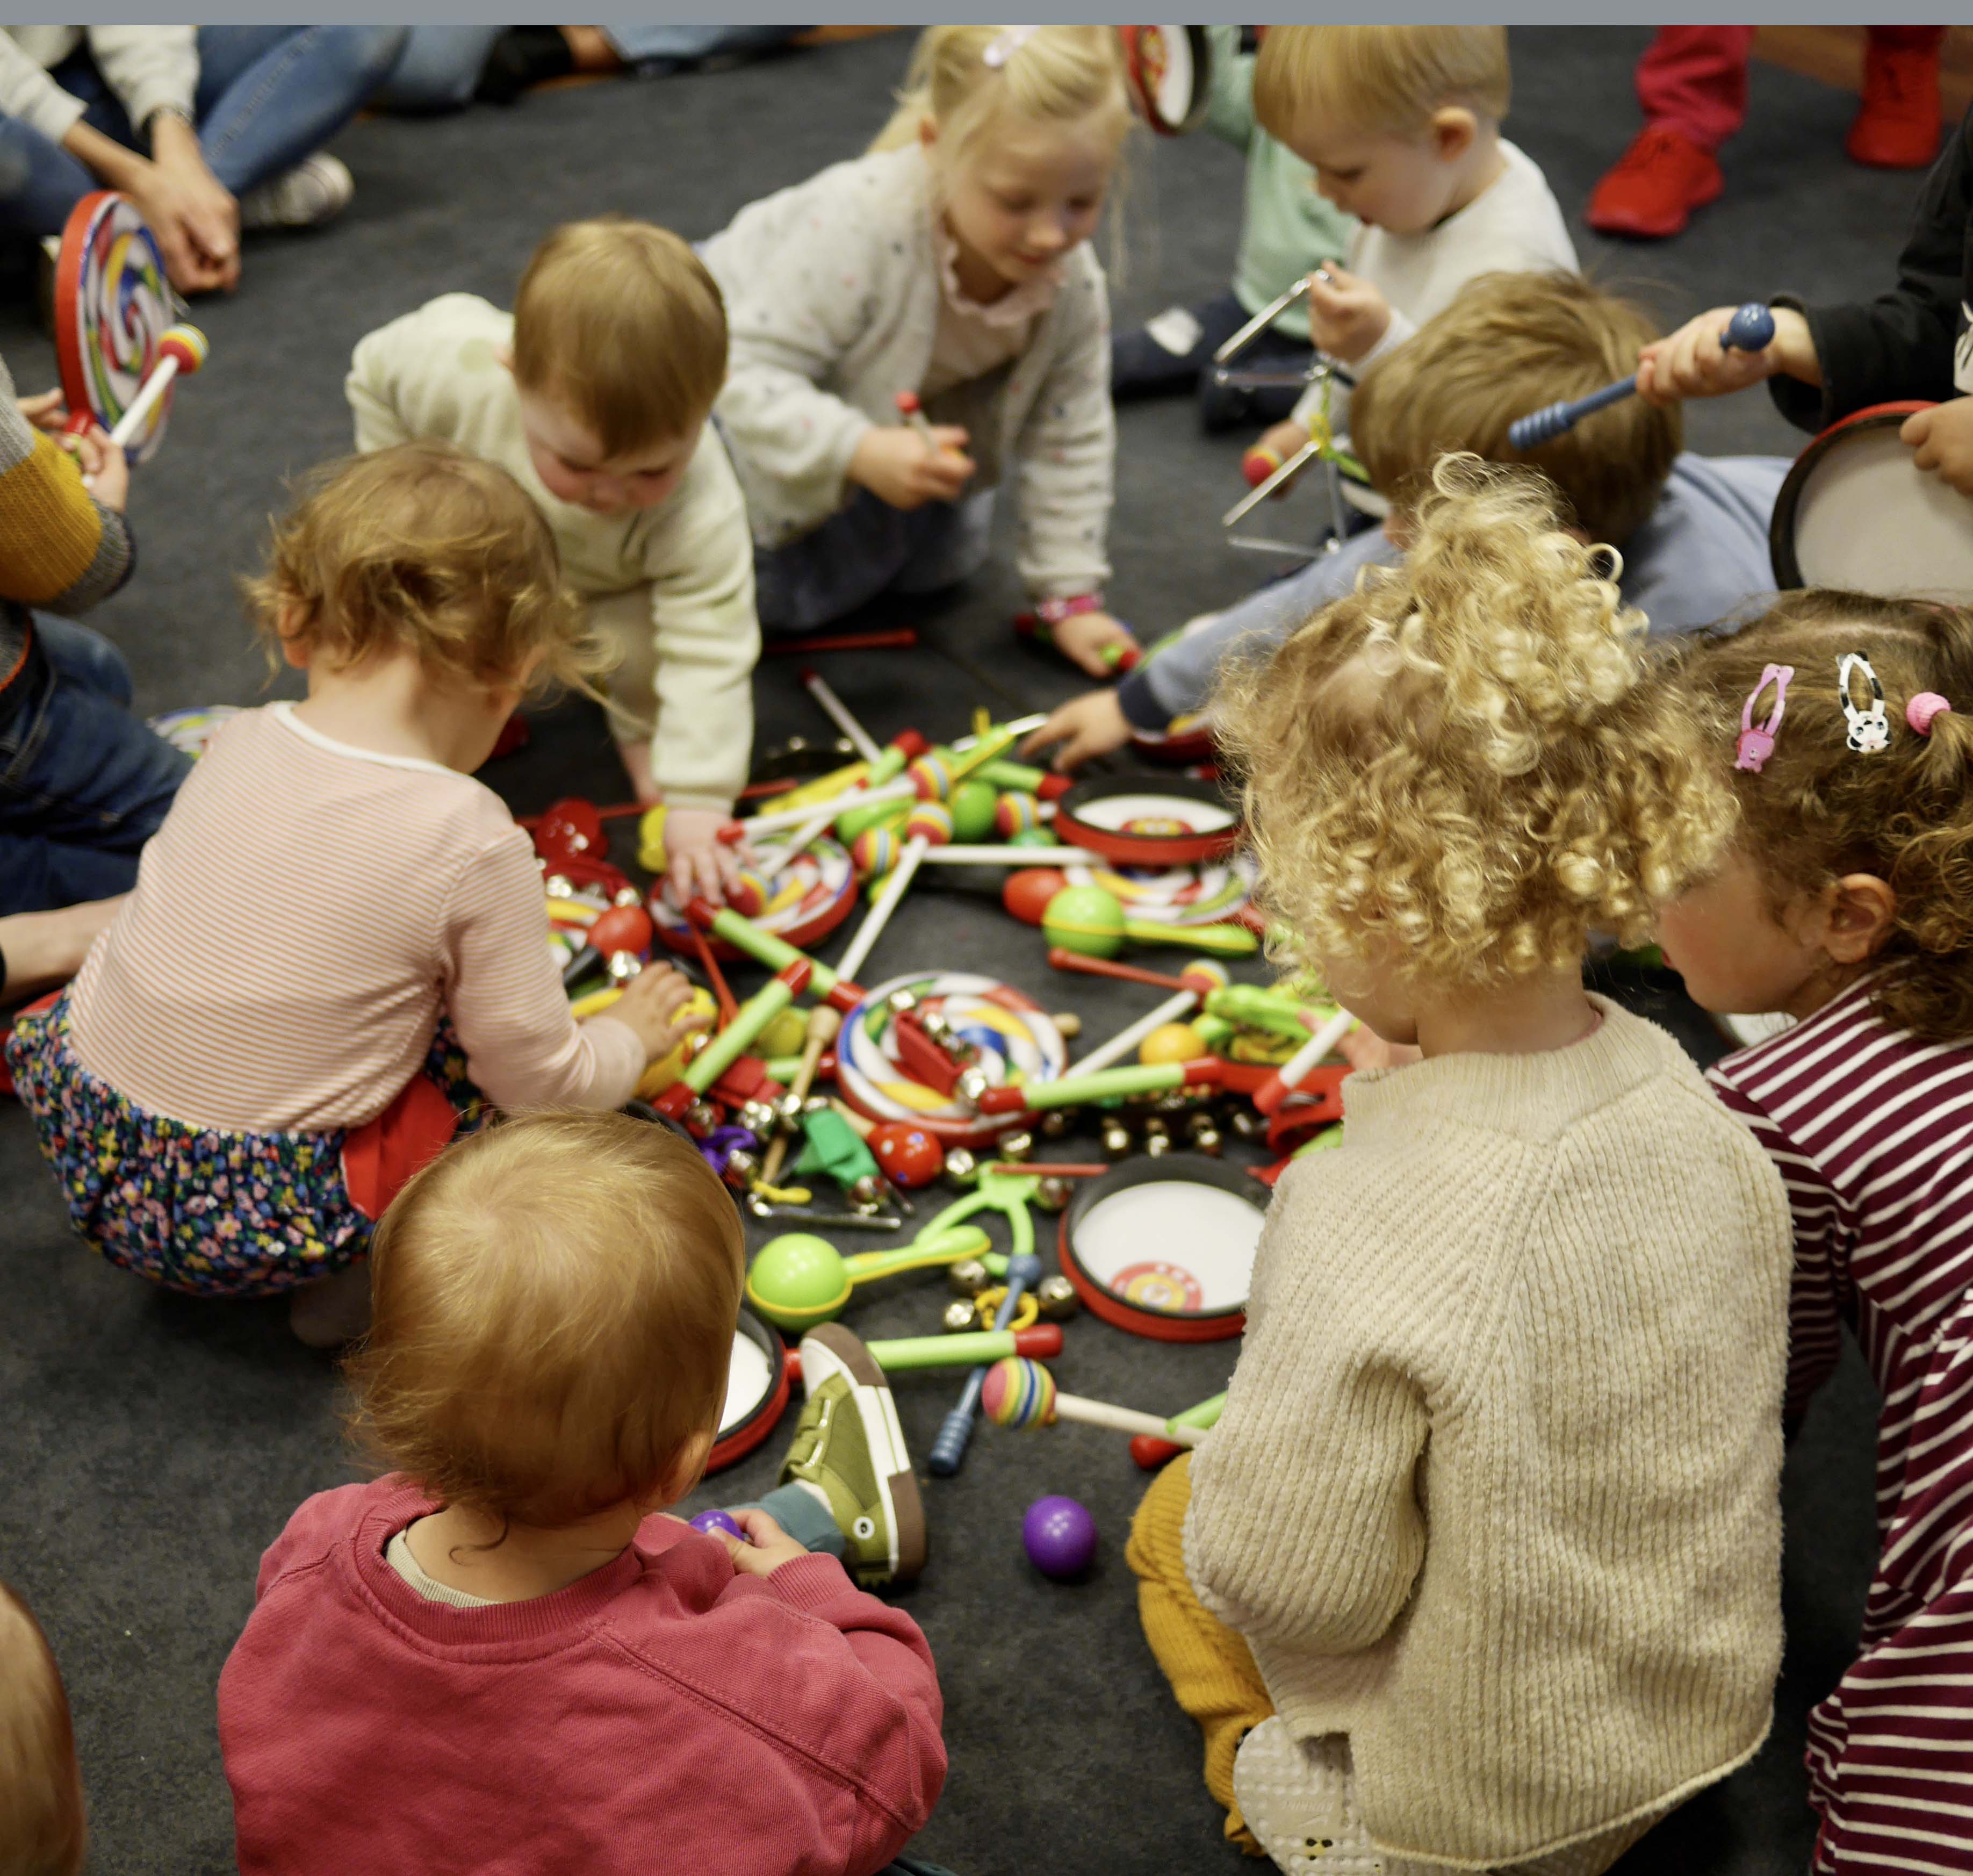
{"x":31,"y":96}
{"x":1068,"y":453}
{"x":149,"y":67}
{"x":372,"y":390}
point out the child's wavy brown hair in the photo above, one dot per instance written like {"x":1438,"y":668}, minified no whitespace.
{"x":423,"y":548}
{"x":1463,"y":763}
{"x":1816,"y":809}
{"x":42,"y":1831}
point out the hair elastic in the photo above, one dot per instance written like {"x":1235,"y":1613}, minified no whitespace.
{"x":1756,"y":745}
{"x":1009,"y":42}
{"x":1870,"y":729}
{"x":1923,"y":707}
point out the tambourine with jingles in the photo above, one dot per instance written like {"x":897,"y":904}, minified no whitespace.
{"x":1171,"y":70}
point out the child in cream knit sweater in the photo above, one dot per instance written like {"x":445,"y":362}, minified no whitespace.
{"x":1481,"y":1567}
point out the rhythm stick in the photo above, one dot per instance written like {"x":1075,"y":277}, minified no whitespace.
{"x":1019,"y":1392}
{"x":909,"y":1353}
{"x":838,"y":713}
{"x":930,"y":826}
{"x":1013,"y":857}
{"x":1071,"y":1091}
{"x":1174,"y":1008}
{"x":1200,"y":968}
{"x":1750,"y":330}
{"x":948,"y":1450}
{"x":1151,"y":1451}
{"x":1284,"y":1081}
{"x":912,"y":411}
{"x":777,"y":954}
{"x":823,"y":1022}
{"x":181,"y":348}
{"x":730,"y":1043}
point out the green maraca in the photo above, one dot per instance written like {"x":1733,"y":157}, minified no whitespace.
{"x":1088,"y":919}
{"x":799,"y":1279}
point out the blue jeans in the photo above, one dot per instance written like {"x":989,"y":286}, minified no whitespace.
{"x":668,"y":43}
{"x":438,"y":70}
{"x":83,"y":784}
{"x":866,"y":548}
{"x":267,"y":97}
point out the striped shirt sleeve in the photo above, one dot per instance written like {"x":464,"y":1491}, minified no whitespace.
{"x":60,"y":548}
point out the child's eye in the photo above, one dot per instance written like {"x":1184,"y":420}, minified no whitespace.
{"x":1015,"y":204}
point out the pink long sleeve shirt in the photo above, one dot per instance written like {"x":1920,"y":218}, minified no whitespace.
{"x":663,"y":1712}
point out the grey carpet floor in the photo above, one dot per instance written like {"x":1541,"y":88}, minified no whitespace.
{"x":155,"y":1445}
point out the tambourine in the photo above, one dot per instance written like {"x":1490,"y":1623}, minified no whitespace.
{"x":1857,"y":514}
{"x":1210,"y":894}
{"x":756,"y":1392}
{"x":1164,"y":1247}
{"x":1171,"y":70}
{"x":812,"y":895}
{"x":112,"y":305}
{"x":1149,"y":820}
{"x":1008,"y":1031}
{"x":191,"y":730}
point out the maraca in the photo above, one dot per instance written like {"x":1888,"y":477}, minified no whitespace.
{"x":1087,"y":918}
{"x":798,"y":1279}
{"x":1020,"y":1392}
{"x":621,"y":937}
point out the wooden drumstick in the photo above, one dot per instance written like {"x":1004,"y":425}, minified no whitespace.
{"x":838,"y":713}
{"x":1279,"y":1085}
{"x":924,"y":828}
{"x":823,"y":1022}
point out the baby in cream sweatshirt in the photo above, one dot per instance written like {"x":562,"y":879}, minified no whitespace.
{"x":1481,"y":1567}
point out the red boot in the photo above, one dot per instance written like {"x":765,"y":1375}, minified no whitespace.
{"x":1897,"y":123}
{"x":1653,"y":187}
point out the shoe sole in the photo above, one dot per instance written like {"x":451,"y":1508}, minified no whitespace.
{"x":878,"y":1408}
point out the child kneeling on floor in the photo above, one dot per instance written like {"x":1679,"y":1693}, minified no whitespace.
{"x":1482,"y":1565}
{"x":252,"y":1059}
{"x":500,"y":1655}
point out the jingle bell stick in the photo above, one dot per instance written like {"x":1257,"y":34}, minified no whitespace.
{"x":823,"y":1022}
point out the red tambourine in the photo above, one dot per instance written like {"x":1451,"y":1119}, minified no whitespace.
{"x":1164,"y":1247}
{"x":1148,"y":819}
{"x":1855,"y":513}
{"x":756,"y":1392}
{"x":1171,"y":70}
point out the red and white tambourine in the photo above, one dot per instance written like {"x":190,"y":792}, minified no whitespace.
{"x":1171,"y":70}
{"x":1148,"y":821}
{"x":807,"y":900}
{"x":756,"y":1392}
{"x":1856,"y":513}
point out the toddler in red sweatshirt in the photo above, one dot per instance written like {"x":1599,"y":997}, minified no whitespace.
{"x":503,"y":1656}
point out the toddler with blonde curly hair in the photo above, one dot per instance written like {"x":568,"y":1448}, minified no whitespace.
{"x":1481,"y":1567}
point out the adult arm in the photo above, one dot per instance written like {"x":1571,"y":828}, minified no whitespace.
{"x":1067,"y":452}
{"x":149,"y":68}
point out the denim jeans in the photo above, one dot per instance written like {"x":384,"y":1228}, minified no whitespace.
{"x":267,"y":97}
{"x":83,"y":784}
{"x":438,"y":70}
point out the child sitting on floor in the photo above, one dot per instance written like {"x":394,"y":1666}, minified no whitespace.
{"x":1838,"y":722}
{"x":1692,"y":531}
{"x":42,"y":1831}
{"x":1482,"y":1563}
{"x":500,"y":1655}
{"x":952,"y":263}
{"x":594,"y":394}
{"x":252,"y":1058}
{"x":1402,"y":124}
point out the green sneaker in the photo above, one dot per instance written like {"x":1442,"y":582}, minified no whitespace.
{"x":849,"y":1446}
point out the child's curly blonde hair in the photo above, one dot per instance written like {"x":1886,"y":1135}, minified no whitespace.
{"x":1463,"y":763}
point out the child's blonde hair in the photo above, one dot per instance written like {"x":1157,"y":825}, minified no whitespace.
{"x":1462,"y":763}
{"x":554,"y":1306}
{"x":969,"y":80}
{"x":1378,"y":78}
{"x":1509,"y":344}
{"x":423,"y":548}
{"x":620,"y":321}
{"x":41,"y":1828}
{"x":1816,"y":809}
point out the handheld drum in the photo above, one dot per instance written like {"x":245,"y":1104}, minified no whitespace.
{"x":1171,"y":70}
{"x":1149,"y":820}
{"x":1856,"y":513}
{"x":1164,"y":1248}
{"x":114,"y":315}
{"x":756,"y":1392}
{"x":808,"y":899}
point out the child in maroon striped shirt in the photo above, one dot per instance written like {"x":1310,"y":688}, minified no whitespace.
{"x":1848,"y":905}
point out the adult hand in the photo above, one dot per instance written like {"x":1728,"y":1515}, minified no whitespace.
{"x":1346,"y":315}
{"x":192,"y":213}
{"x":651,"y":1007}
{"x":1693,"y":363}
{"x":1082,"y":637}
{"x":896,"y":465}
{"x":1940,"y":439}
{"x":45,"y":410}
{"x":106,"y":470}
{"x":767,"y":1548}
{"x":696,"y":859}
{"x":1080,"y":730}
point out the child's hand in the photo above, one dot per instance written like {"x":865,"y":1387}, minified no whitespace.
{"x":106,"y":470}
{"x":696,"y":860}
{"x":1085,"y":727}
{"x":770,"y":1546}
{"x":1941,"y":439}
{"x":1347,"y":316}
{"x":651,"y":1005}
{"x":1283,"y":441}
{"x":1081,"y":637}
{"x":45,"y":411}
{"x":893,"y":463}
{"x":1693,"y":363}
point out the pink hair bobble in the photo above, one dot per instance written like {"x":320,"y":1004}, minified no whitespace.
{"x":1923,"y":707}
{"x":1756,"y":745}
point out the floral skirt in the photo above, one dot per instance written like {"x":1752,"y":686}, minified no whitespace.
{"x":202,"y":1209}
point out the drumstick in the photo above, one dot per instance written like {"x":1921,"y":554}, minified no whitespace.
{"x":1013,"y":857}
{"x":180,"y":348}
{"x":912,"y":411}
{"x":730,"y":1044}
{"x":1751,"y":329}
{"x":838,"y":713}
{"x":930,"y":826}
{"x":823,"y":1022}
{"x":776,"y":953}
{"x":1284,"y":1081}
{"x":1173,"y":1009}
{"x":1024,"y":1271}
{"x":907,"y":1354}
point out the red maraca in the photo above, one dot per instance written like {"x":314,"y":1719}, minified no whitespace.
{"x":622,"y":936}
{"x":1025,"y":894}
{"x":909,"y":1155}
{"x":567,"y":828}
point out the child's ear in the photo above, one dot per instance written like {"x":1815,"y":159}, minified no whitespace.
{"x":503,"y":356}
{"x":1860,"y":915}
{"x":1454,"y":131}
{"x":292,"y":624}
{"x":687,"y":1468}
{"x":927,"y":131}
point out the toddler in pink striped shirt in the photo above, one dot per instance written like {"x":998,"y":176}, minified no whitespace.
{"x":253,"y":1058}
{"x":1847,"y":905}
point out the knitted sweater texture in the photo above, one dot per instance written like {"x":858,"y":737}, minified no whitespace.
{"x":1496,"y":1492}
